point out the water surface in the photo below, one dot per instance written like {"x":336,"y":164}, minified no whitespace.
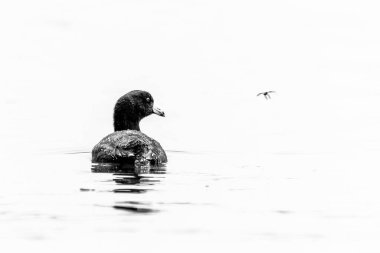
{"x":296,"y":173}
{"x":198,"y":199}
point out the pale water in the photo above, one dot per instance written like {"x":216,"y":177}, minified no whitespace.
{"x":54,"y":202}
{"x":297,"y":173}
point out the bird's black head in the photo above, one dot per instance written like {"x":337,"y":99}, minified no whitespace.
{"x":131,"y":108}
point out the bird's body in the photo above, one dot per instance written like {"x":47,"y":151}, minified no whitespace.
{"x":127,"y":145}
{"x":266,"y":94}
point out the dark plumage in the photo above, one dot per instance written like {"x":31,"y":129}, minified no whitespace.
{"x":127,"y":144}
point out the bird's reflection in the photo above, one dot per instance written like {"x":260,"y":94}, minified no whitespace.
{"x":132,"y":180}
{"x":135,"y":209}
{"x":128,"y":169}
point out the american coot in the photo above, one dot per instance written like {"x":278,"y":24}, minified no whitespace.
{"x":127,"y":145}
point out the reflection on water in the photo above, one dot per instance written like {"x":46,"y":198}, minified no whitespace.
{"x":128,"y":169}
{"x":135,"y":180}
{"x":135,"y":208}
{"x":195,"y":197}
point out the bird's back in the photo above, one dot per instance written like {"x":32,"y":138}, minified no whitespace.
{"x":128,"y":146}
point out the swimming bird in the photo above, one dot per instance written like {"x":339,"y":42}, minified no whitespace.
{"x":266,"y":94}
{"x":128,"y":145}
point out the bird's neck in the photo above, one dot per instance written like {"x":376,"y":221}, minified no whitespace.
{"x":122,"y":122}
{"x":126,"y":126}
